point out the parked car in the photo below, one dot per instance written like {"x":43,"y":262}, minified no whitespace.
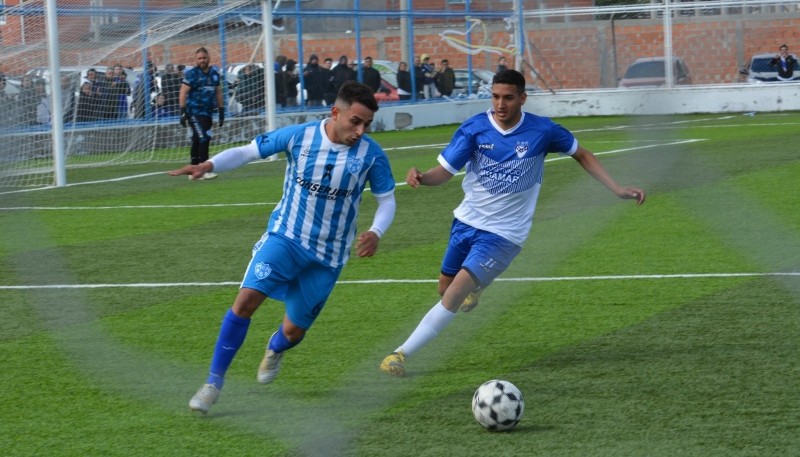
{"x":650,"y":72}
{"x":388,"y":70}
{"x":388,"y":90}
{"x":481,"y":83}
{"x":758,"y":69}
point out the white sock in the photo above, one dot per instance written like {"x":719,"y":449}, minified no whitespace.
{"x":431,"y":325}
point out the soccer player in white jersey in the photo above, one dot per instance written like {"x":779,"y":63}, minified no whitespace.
{"x":310,"y":232}
{"x":503,"y":150}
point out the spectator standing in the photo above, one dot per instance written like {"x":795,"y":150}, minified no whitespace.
{"x":785,"y":63}
{"x":200,"y":96}
{"x":280,"y":84}
{"x":446,"y":79}
{"x":43,"y":109}
{"x":330,"y":163}
{"x":372,"y":77}
{"x":501,"y":64}
{"x":315,"y":81}
{"x":70,"y":83}
{"x":290,"y":81}
{"x":28,"y":100}
{"x":341,"y":73}
{"x":403,"y":81}
{"x":428,"y":74}
{"x":117,"y":91}
{"x":8,"y":105}
{"x":250,"y":89}
{"x":419,"y":78}
{"x":91,"y":98}
{"x":143,"y":89}
{"x":330,"y":94}
{"x":160,"y":108}
{"x":170,"y":88}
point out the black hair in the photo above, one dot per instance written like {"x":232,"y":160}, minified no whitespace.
{"x":512,"y":77}
{"x":356,"y":92}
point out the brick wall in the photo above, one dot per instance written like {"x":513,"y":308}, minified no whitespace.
{"x":575,"y":54}
{"x":593,"y":54}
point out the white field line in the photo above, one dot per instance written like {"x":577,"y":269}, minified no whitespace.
{"x":410,"y":281}
{"x":659,"y":126}
{"x":212,"y":205}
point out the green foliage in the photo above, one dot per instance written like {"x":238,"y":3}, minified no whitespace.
{"x":663,"y":348}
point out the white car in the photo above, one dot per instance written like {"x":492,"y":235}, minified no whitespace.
{"x":758,"y":69}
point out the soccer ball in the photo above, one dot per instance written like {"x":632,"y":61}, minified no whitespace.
{"x":498,"y":405}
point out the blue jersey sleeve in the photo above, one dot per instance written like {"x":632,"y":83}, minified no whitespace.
{"x":380,"y":176}
{"x":562,"y":140}
{"x":278,"y":140}
{"x":458,"y":152}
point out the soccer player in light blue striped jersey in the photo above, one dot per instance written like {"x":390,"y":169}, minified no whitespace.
{"x":310,"y":233}
{"x":503,"y":150}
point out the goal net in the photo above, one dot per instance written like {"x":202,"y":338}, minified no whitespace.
{"x":121,"y":61}
{"x":121,"y":65}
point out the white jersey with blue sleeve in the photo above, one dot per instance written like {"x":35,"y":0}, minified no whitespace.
{"x":504,"y":170}
{"x":323,"y":186}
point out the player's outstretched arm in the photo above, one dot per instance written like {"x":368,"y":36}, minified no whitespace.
{"x":433,"y":177}
{"x":593,"y":166}
{"x":226,"y":160}
{"x":195,"y":171}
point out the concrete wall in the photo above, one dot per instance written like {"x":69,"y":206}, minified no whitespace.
{"x":684,"y":100}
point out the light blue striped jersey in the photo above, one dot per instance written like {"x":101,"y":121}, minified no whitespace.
{"x":504,"y":170}
{"x":323,"y":186}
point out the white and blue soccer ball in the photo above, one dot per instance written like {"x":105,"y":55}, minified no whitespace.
{"x":498,"y":405}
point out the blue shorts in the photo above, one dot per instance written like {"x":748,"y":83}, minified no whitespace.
{"x":483,"y":254}
{"x":282,"y":270}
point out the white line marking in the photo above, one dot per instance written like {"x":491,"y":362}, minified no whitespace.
{"x":411,"y":281}
{"x":208,"y":205}
{"x":211,"y":205}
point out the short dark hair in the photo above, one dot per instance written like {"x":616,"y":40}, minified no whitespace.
{"x":356,"y":92}
{"x":512,"y":77}
{"x":201,"y":49}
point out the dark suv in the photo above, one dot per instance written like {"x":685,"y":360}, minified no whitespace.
{"x":650,"y":72}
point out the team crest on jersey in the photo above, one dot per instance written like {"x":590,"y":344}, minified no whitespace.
{"x":305,"y":152}
{"x":521,"y":149}
{"x":263,"y":270}
{"x":354,"y":165}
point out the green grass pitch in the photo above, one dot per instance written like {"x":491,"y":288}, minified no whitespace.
{"x":664,"y":330}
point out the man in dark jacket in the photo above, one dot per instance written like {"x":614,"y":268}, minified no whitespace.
{"x":403,"y":82}
{"x":316,"y":81}
{"x":341,"y":73}
{"x":419,"y":77}
{"x":372,"y":77}
{"x":445,"y":79}
{"x":171,"y":87}
{"x":785,"y":63}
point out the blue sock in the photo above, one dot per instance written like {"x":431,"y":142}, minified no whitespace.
{"x":279,"y":343}
{"x":231,"y":336}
